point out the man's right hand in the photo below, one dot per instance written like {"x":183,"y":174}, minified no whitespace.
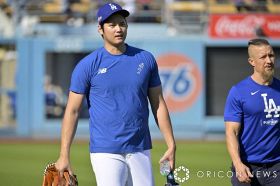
{"x":243,"y":173}
{"x":63,"y":164}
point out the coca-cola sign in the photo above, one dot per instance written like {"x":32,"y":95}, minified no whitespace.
{"x":244,"y":26}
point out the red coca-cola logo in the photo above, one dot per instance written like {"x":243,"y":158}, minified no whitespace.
{"x":274,"y":26}
{"x":244,"y":26}
{"x":238,"y":27}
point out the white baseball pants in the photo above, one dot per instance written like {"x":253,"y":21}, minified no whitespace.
{"x":130,"y":169}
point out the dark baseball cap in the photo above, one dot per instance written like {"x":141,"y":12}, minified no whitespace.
{"x":109,"y":9}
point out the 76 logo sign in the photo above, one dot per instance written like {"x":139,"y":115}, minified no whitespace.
{"x":176,"y":82}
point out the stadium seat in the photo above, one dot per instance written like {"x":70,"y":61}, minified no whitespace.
{"x":187,"y":16}
{"x":84,"y":6}
{"x":226,"y":7}
{"x":56,"y":6}
{"x":188,"y":6}
{"x":273,"y":7}
{"x":53,"y":11}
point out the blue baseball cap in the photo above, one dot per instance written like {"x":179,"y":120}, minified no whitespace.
{"x":109,"y":9}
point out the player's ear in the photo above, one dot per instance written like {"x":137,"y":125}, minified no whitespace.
{"x":251,"y":61}
{"x":100,"y":29}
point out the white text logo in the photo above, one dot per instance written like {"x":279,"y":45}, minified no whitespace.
{"x":102,"y":70}
{"x":270,"y":107}
{"x":140,"y":68}
{"x":253,"y":93}
{"x":113,"y":7}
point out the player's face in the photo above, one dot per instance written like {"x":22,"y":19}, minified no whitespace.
{"x":262,"y":59}
{"x":114,"y":30}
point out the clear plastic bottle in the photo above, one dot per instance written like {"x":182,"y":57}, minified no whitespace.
{"x":164,"y":168}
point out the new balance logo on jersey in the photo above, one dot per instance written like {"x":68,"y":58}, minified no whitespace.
{"x":102,"y":70}
{"x":113,"y":7}
{"x":270,"y":107}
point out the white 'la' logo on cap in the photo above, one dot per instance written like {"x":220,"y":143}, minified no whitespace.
{"x":113,"y":7}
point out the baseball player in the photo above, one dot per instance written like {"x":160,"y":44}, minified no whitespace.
{"x":118,"y":81}
{"x":252,"y":121}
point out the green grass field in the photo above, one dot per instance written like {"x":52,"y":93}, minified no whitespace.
{"x":22,"y":163}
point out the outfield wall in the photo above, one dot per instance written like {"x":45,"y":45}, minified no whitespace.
{"x":196,"y":74}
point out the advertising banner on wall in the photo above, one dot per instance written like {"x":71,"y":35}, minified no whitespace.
{"x":244,"y":26}
{"x":181,"y":70}
{"x":181,"y":80}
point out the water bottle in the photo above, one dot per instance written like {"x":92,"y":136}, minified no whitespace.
{"x":164,"y":168}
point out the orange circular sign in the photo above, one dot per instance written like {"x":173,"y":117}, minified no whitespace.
{"x":181,"y":80}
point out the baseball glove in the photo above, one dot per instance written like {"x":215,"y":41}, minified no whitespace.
{"x":52,"y":177}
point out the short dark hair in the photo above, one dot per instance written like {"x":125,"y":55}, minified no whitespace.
{"x":258,"y":41}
